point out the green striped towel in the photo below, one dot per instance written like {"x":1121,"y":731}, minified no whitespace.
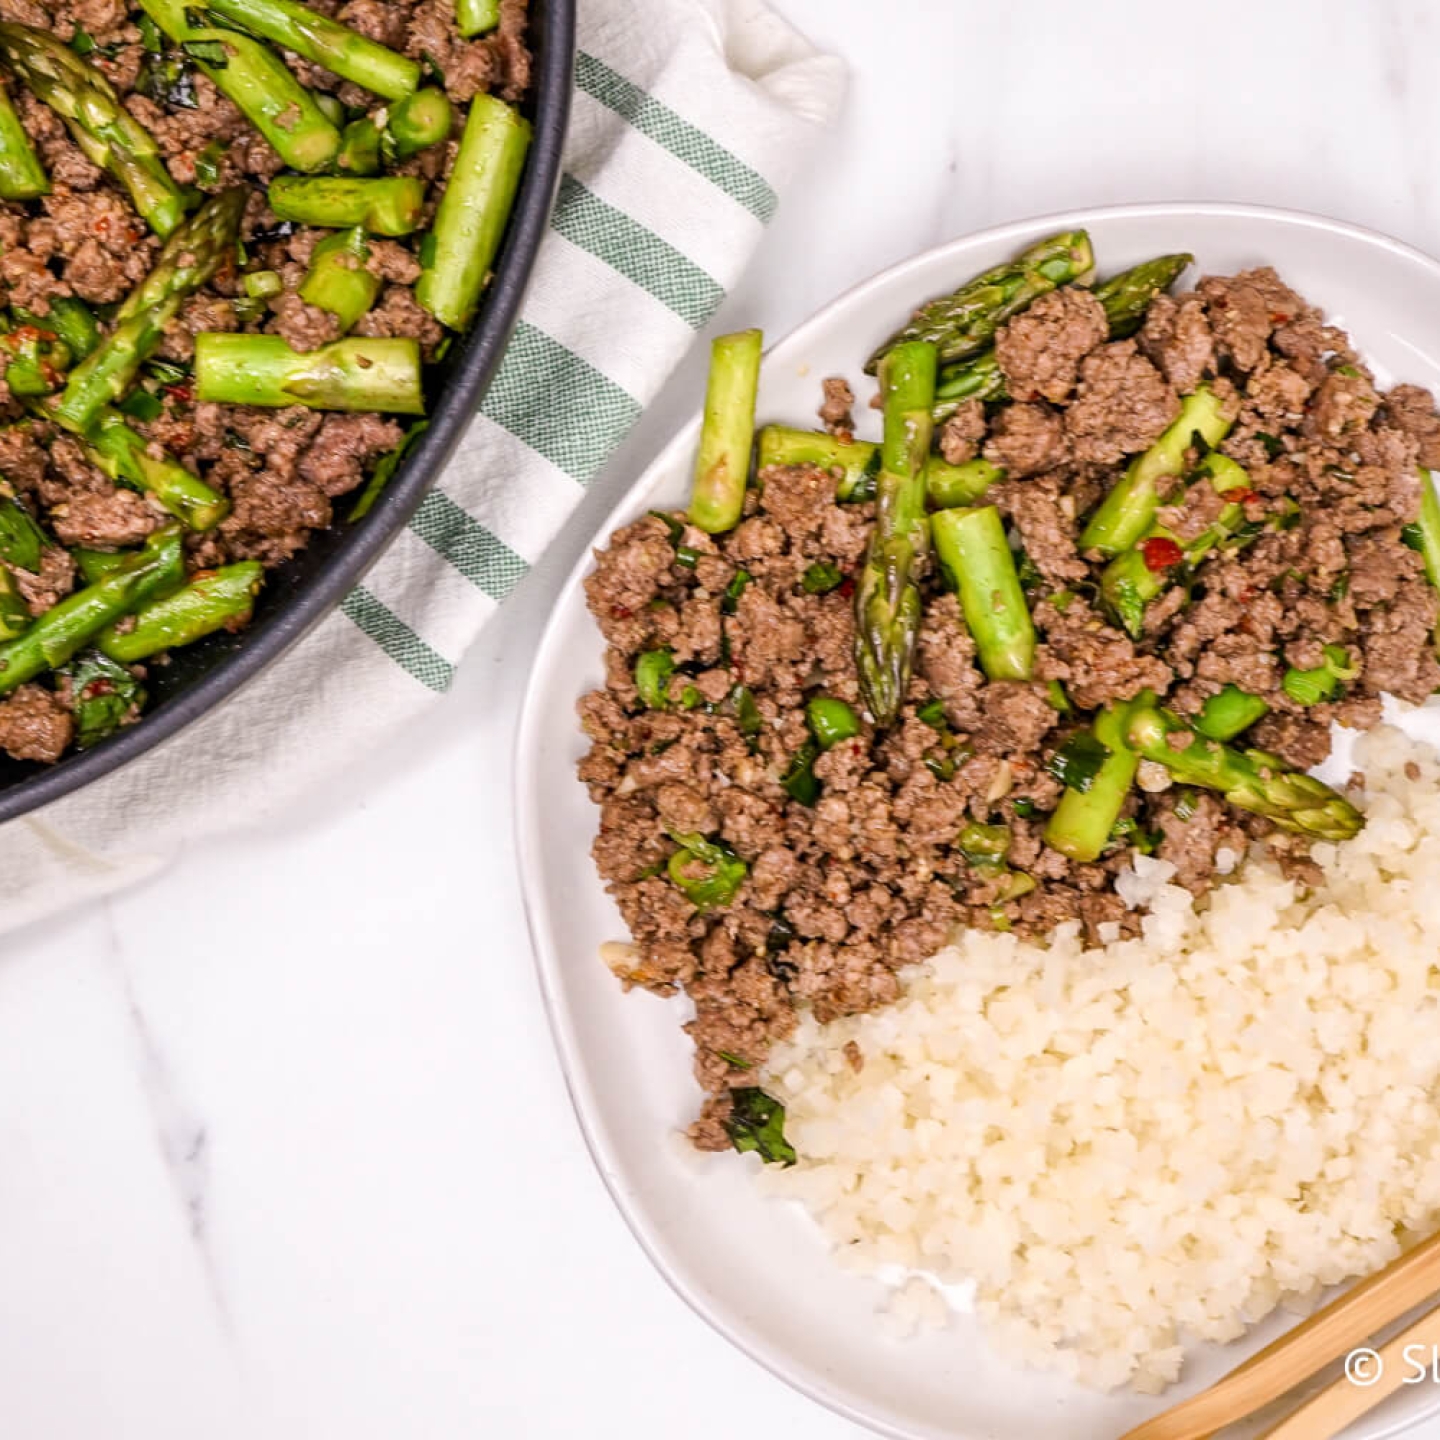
{"x":689,"y":118}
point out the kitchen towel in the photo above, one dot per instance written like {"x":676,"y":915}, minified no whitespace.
{"x":689,"y":118}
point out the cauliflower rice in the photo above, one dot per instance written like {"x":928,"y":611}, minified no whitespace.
{"x":1155,"y":1143}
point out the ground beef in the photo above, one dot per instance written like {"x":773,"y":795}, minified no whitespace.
{"x":500,"y":62}
{"x":1245,"y":310}
{"x":1192,"y":831}
{"x":1026,"y":440}
{"x":108,"y":519}
{"x":302,"y":326}
{"x":962,"y":433}
{"x":1123,"y":405}
{"x":1043,"y":513}
{"x":271,"y":518}
{"x":101,"y":249}
{"x":35,"y":725}
{"x":399,"y":313}
{"x":389,"y":24}
{"x":1041,"y":349}
{"x":835,"y":408}
{"x":1096,"y":663}
{"x":1177,"y":338}
{"x":54,"y":580}
{"x":343,"y":449}
{"x":1412,"y":410}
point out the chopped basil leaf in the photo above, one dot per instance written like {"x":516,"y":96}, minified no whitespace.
{"x":821,"y":578}
{"x":142,"y":405}
{"x":757,"y":1122}
{"x":1077,"y":762}
{"x":208,"y":52}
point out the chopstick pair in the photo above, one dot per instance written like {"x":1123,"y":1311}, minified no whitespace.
{"x":1344,"y":1324}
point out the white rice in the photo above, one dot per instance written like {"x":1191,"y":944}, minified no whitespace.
{"x":1139,"y":1147}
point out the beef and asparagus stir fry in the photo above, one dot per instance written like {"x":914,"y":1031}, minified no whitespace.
{"x":233,"y":235}
{"x":1118,"y":563}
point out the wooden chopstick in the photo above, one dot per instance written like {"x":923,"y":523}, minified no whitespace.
{"x":1327,"y":1413}
{"x":1328,"y":1334}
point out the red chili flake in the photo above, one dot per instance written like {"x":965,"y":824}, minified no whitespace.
{"x":180,"y":392}
{"x":97,"y":688}
{"x":1160,"y":552}
{"x":26,"y":333}
{"x":102,"y":225}
{"x":846,"y":587}
{"x":1241,"y":497}
{"x":620,"y":612}
{"x":1279,"y":319}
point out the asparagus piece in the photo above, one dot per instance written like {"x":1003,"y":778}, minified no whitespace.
{"x":979,"y":564}
{"x":327,"y":42}
{"x":722,"y":463}
{"x":52,"y":639}
{"x":1310,"y":687}
{"x":1124,"y":297}
{"x":1428,"y":526}
{"x":105,"y":696}
{"x":357,"y":373}
{"x":419,"y":121}
{"x":1127,"y":512}
{"x":22,"y":177}
{"x":359,"y":148}
{"x":1225,"y":714}
{"x":980,"y":378}
{"x":128,"y":458}
{"x":15,"y":617}
{"x":262,"y":284}
{"x":1127,"y":296}
{"x":216,"y":600}
{"x":949,"y":486}
{"x":22,"y":544}
{"x":963,"y":324}
{"x":338,"y":280}
{"x":1250,"y":779}
{"x":831,"y":721}
{"x":190,"y":257}
{"x":95,"y":565}
{"x":1131,"y":581}
{"x":1081,"y":824}
{"x":858,"y":462}
{"x":102,"y":127}
{"x":475,"y":17}
{"x":110,"y":371}
{"x":332,"y":107}
{"x":383,"y":205}
{"x":887,"y":595}
{"x":261,"y":85}
{"x":473,"y":211}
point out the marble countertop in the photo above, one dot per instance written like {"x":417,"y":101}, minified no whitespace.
{"x":284,"y":1150}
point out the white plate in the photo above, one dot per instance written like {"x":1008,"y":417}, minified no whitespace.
{"x":756,"y":1269}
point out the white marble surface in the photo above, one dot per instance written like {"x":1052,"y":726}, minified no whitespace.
{"x":283,"y":1148}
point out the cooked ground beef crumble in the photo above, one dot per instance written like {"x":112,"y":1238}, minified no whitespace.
{"x":840,"y":894}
